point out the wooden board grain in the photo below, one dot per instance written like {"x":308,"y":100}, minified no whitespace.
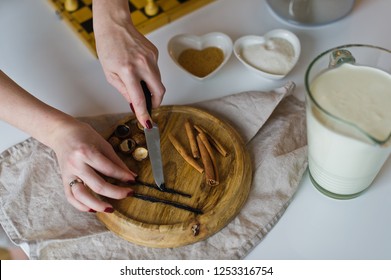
{"x":164,"y":226}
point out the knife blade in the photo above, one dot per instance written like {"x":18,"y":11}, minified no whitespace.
{"x":152,"y":137}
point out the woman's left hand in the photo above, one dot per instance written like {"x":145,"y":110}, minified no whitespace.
{"x":84,"y":156}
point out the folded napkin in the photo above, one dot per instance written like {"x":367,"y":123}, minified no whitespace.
{"x":33,"y":208}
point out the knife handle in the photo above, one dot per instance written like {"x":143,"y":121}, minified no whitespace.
{"x":148,"y":97}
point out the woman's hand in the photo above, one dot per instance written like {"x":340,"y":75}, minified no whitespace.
{"x":83,"y":154}
{"x":127,"y":57}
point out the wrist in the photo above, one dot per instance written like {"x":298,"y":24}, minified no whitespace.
{"x":110,"y":9}
{"x":57,"y":129}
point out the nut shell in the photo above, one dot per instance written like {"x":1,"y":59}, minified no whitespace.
{"x":114,"y":141}
{"x":122,"y":131}
{"x":127,"y":146}
{"x":139,"y":138}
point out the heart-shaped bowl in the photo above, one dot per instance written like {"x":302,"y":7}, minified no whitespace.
{"x":198,"y":44}
{"x":272,"y":56}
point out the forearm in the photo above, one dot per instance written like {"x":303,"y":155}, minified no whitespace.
{"x":24,"y":111}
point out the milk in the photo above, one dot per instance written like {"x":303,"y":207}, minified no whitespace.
{"x":343,"y":157}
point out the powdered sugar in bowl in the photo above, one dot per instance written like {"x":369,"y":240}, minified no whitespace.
{"x":272,"y":56}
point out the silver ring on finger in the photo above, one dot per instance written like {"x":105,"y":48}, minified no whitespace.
{"x":75,"y":181}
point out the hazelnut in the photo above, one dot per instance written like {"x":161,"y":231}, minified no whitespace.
{"x":140,"y":126}
{"x":140,"y":153}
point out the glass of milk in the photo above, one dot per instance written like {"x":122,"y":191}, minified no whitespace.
{"x":348,"y":107}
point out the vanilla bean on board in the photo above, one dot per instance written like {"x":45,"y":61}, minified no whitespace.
{"x":167,"y":202}
{"x":166,"y":190}
{"x":154,"y":186}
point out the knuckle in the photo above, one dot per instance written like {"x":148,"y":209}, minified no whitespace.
{"x":128,"y":69}
{"x":154,"y":53}
{"x":82,"y":151}
{"x":111,"y":79}
{"x":141,"y":59}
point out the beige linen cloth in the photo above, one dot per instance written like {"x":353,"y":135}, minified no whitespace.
{"x":34,"y":210}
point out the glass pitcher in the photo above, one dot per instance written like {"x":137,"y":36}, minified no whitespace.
{"x":311,"y":12}
{"x":348,"y":107}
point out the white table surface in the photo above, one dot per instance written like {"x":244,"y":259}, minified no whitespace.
{"x":44,"y":55}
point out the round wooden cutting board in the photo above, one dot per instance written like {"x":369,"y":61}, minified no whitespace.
{"x":156,"y":224}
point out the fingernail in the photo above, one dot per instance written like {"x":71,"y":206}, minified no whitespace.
{"x":130,"y":182}
{"x":130,"y":193}
{"x":109,"y":210}
{"x":92,"y":211}
{"x":131,"y":107}
{"x":149,"y":124}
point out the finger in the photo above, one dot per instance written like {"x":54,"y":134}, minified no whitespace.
{"x":108,"y":151}
{"x":112,"y":167}
{"x":113,"y":157}
{"x":138,"y":101}
{"x":82,"y":195}
{"x":157,"y":90}
{"x":72,"y":200}
{"x":97,"y":184}
{"x":117,"y":83}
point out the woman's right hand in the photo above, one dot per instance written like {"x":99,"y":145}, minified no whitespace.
{"x":126,"y":56}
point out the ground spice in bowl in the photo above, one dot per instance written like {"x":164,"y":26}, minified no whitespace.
{"x":201,"y":63}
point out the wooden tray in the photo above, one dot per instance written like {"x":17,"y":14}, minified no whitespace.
{"x":164,"y":226}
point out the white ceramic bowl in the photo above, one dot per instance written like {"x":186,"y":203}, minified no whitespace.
{"x":253,"y":40}
{"x":181,"y":42}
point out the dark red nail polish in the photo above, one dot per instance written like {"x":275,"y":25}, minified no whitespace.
{"x":130,"y":182}
{"x":109,"y":210}
{"x":131,"y":107}
{"x":130,"y":193}
{"x":149,"y":124}
{"x":92,"y":211}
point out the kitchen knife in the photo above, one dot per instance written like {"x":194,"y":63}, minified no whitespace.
{"x":152,"y":137}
